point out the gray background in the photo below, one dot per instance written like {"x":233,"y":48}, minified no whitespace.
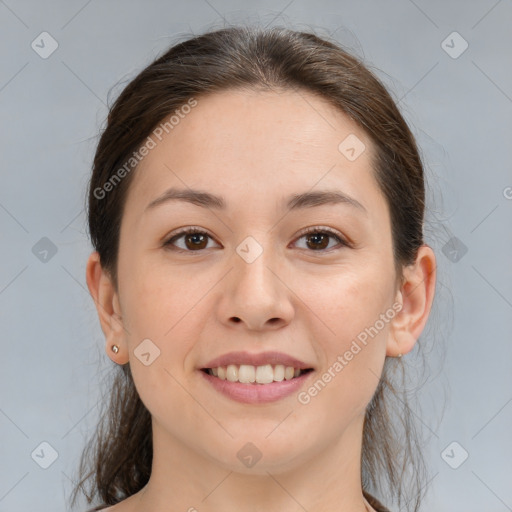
{"x":51,"y":110}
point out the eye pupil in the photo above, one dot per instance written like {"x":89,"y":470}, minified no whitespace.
{"x":316,"y":237}
{"x":195,"y":236}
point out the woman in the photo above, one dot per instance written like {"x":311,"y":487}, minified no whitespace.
{"x":256,"y":209}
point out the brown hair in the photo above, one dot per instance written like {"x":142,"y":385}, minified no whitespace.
{"x":117,"y":462}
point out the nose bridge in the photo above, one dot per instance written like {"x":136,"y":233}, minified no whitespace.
{"x":253,"y":260}
{"x":254,"y":293}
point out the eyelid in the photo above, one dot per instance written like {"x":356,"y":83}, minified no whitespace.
{"x":305,"y":231}
{"x":324,"y":229}
{"x":178,"y":233}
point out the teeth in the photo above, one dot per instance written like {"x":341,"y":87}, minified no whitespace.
{"x":279,"y":372}
{"x":264,"y":374}
{"x":248,"y":374}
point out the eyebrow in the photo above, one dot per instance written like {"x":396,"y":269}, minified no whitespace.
{"x":295,"y":201}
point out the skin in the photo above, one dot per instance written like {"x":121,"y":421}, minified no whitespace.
{"x":255,"y":149}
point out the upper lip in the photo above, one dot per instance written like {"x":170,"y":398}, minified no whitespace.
{"x":259,"y":359}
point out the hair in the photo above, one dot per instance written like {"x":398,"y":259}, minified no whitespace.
{"x":117,"y":461}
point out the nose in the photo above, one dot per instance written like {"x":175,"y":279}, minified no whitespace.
{"x":256,"y":295}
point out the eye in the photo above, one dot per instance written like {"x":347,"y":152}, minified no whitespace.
{"x":195,"y":239}
{"x":317,"y":238}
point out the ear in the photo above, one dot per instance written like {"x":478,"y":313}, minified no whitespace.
{"x":108,"y":307}
{"x":416,"y":295}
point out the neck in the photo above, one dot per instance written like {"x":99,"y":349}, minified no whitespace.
{"x":183,"y":479}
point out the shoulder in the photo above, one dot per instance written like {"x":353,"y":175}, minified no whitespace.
{"x":122,"y":506}
{"x":375,"y":503}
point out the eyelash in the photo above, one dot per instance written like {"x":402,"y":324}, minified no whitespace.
{"x":307,"y":231}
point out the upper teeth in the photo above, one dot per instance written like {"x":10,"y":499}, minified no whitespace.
{"x":261,"y":374}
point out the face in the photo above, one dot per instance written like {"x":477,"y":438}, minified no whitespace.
{"x":252,"y":280}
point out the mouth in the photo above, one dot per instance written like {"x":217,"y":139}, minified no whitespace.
{"x":256,"y":378}
{"x":250,"y":374}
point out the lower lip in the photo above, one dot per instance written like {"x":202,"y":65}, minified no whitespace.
{"x":257,"y":393}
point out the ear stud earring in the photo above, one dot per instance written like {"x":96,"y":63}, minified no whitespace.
{"x":115,"y":349}
{"x":399,"y":356}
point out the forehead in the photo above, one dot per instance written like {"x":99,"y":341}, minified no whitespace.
{"x":257,"y":144}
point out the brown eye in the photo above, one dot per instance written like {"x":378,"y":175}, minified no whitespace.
{"x":196,"y":241}
{"x":319,"y":239}
{"x":193,"y":240}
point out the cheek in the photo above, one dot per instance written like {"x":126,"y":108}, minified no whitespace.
{"x":161,"y":309}
{"x":162,"y":391}
{"x":158,"y":301}
{"x":349,"y":302}
{"x":353,"y":358}
{"x":355,"y":312}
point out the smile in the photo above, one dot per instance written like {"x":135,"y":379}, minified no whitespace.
{"x":255,"y":392}
{"x":249,"y":374}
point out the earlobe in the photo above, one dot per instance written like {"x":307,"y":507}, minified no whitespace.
{"x":416,"y":295}
{"x":106,"y":300}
